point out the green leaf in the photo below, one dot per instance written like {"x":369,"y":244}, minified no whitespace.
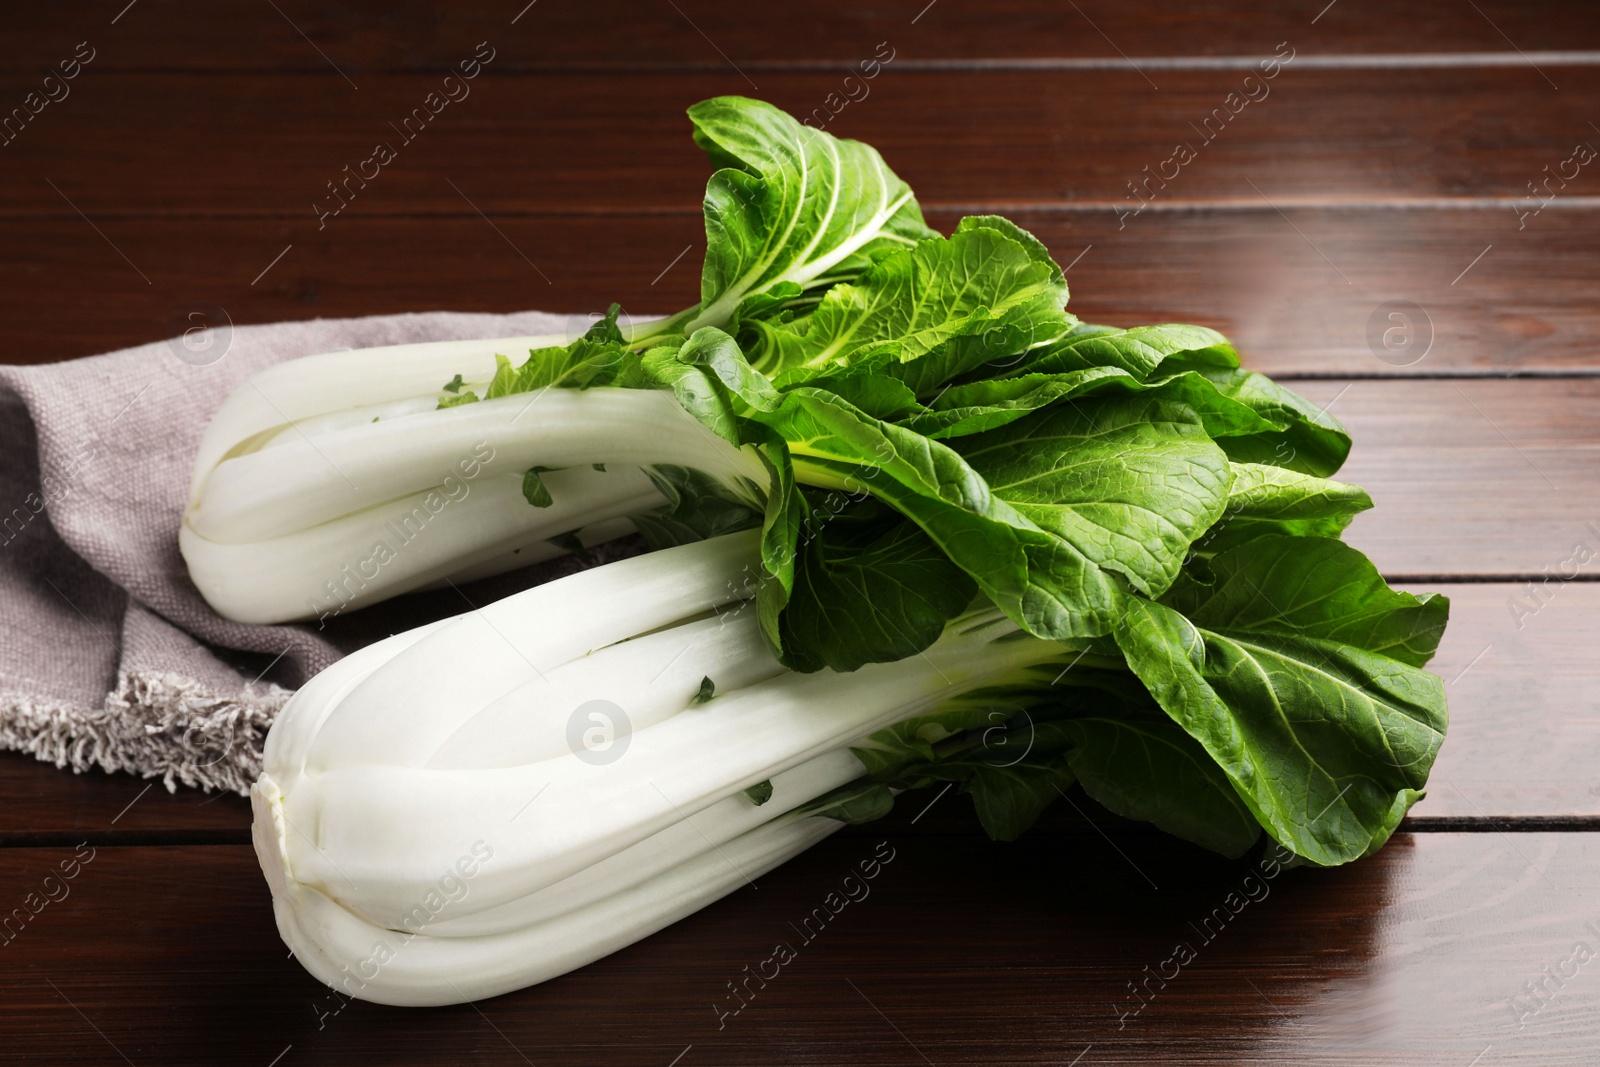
{"x":789,"y":204}
{"x":1275,"y":500}
{"x":708,"y":689}
{"x":994,"y":402}
{"x":1298,"y":671}
{"x":533,"y":488}
{"x":719,"y":356}
{"x":697,"y":391}
{"x":878,"y":395}
{"x":581,"y":365}
{"x":605,"y":330}
{"x":889,"y":753}
{"x":781,"y":524}
{"x":1001,"y":344}
{"x":1010,"y":799}
{"x":1143,"y":766}
{"x":453,"y":385}
{"x":1140,"y":351}
{"x":857,"y":802}
{"x":570,"y":542}
{"x":869,"y":587}
{"x":1127,"y":481}
{"x":1031,"y":244}
{"x":911,"y":303}
{"x":1307,"y":438}
{"x":698,"y":507}
{"x":1043,"y":582}
{"x":760,"y":793}
{"x":468,"y":397}
{"x":1012,"y":766}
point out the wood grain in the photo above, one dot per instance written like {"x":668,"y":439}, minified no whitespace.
{"x":1382,"y":177}
{"x":1519,"y":672}
{"x":44,"y":802}
{"x":1477,"y":478}
{"x":311,"y":38}
{"x":1275,"y":283}
{"x":1414,"y":955}
{"x":561,"y":143}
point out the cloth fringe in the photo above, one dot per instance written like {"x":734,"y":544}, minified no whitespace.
{"x":153,"y":725}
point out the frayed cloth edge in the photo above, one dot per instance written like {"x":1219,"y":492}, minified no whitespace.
{"x":154,"y":725}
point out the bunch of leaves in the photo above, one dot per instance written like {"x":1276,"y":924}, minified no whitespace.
{"x":938,"y":433}
{"x":1277,"y":686}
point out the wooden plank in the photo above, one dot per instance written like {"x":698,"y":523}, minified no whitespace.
{"x":198,"y":36}
{"x":42,"y":801}
{"x":1521,"y":307}
{"x":562,"y":142}
{"x":1518,"y":665}
{"x":962,"y":952}
{"x":1520,"y":675}
{"x":1472,"y":478}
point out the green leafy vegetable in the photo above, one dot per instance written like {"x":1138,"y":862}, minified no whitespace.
{"x":534,"y":490}
{"x":930,"y":444}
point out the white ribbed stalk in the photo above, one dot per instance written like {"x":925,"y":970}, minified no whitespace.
{"x":303,"y":481}
{"x":483,"y":527}
{"x":311,"y":475}
{"x":337,"y":381}
{"x":401,"y":763}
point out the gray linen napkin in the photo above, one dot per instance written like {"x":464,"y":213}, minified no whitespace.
{"x":108,"y":655}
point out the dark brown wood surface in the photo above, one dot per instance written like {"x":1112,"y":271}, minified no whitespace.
{"x":962,"y":952}
{"x":1298,"y":292}
{"x":526,"y":143}
{"x":1390,"y":169}
{"x":413,"y":35}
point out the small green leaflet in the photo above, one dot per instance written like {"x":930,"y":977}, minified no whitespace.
{"x":707,"y":690}
{"x":570,"y":542}
{"x":760,"y":793}
{"x":858,"y":802}
{"x":1009,"y":798}
{"x":533,"y":488}
{"x":455,"y":401}
{"x":599,"y":357}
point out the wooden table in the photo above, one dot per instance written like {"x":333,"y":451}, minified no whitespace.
{"x":1384,"y":170}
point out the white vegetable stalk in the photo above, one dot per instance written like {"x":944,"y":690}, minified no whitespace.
{"x":331,"y":482}
{"x":495,"y":799}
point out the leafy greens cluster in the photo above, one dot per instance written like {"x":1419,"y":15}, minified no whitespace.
{"x":942,"y":437}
